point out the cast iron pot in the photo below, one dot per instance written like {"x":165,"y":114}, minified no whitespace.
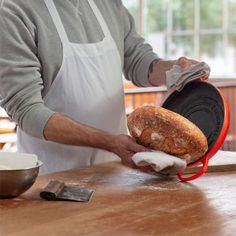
{"x":205,"y":106}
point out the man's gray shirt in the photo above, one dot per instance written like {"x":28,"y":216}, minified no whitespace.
{"x":31,"y":52}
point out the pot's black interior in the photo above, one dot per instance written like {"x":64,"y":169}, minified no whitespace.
{"x":201,"y":103}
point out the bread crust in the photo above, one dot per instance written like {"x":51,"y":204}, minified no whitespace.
{"x":161,"y":129}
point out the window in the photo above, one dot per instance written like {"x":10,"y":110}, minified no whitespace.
{"x":201,"y":29}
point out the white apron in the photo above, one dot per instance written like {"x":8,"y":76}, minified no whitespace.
{"x":89,"y":89}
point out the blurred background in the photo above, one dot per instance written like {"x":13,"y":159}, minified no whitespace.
{"x":202,"y":29}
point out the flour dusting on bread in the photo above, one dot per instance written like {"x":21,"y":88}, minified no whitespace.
{"x":161,"y":129}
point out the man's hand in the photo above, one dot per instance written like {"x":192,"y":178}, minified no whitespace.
{"x":185,"y":63}
{"x":185,"y":71}
{"x":158,"y":68}
{"x":125,"y":147}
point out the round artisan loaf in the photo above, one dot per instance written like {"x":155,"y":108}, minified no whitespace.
{"x":161,"y":129}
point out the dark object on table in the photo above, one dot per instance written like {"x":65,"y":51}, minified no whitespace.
{"x":57,"y":190}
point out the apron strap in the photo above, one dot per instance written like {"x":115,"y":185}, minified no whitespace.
{"x":57,"y":20}
{"x":99,"y":17}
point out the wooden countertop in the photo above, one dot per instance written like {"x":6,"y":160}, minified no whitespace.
{"x":126,"y":202}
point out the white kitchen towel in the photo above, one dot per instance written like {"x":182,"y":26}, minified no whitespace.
{"x":160,"y":162}
{"x":177,"y":78}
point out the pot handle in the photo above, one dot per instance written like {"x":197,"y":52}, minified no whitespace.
{"x":198,"y":174}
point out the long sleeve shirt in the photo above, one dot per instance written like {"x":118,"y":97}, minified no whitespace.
{"x":31,"y":52}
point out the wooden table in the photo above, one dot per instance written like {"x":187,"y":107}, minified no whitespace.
{"x":126,"y":202}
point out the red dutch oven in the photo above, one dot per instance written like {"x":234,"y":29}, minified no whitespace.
{"x":205,"y":106}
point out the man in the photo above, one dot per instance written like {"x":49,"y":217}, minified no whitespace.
{"x":61,"y":66}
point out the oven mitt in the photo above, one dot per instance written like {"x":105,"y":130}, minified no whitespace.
{"x":160,"y":162}
{"x":177,"y":78}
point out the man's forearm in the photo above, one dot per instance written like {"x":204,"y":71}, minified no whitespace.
{"x":62,"y":129}
{"x":157,"y":71}
{"x":158,"y":68}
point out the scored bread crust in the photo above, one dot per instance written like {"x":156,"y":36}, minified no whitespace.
{"x":161,"y":129}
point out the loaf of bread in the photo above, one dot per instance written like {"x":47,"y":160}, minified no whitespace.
{"x":161,"y":129}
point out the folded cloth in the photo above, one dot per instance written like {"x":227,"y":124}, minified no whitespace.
{"x":160,"y":162}
{"x":177,"y":78}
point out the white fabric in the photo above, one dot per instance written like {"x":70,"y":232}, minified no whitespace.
{"x":89,"y":89}
{"x":160,"y":162}
{"x":177,"y":78}
{"x":17,"y":161}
